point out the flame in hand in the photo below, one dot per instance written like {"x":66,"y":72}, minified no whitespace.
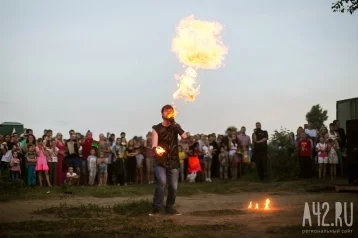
{"x":159,"y":151}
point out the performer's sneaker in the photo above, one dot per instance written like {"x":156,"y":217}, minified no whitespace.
{"x":172,"y":211}
{"x":154,"y":212}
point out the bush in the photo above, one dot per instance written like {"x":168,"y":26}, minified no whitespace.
{"x":282,"y":156}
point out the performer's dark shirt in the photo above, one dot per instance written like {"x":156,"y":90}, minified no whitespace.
{"x":168,"y":139}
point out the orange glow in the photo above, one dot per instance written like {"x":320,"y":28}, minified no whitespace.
{"x":267,"y":204}
{"x":250,"y":205}
{"x":159,"y":150}
{"x":257,"y":206}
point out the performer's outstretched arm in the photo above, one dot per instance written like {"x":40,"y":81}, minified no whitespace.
{"x":154,"y":138}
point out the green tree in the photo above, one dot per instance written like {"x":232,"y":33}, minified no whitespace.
{"x":345,"y":6}
{"x":317,"y":116}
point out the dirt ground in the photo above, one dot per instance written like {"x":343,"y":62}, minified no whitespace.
{"x":286,"y":209}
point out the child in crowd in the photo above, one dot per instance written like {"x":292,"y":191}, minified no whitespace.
{"x":41,"y":163}
{"x":193,"y":162}
{"x":322,"y":149}
{"x":31,"y":165}
{"x":332,"y":157}
{"x":71,"y":177}
{"x":305,"y":151}
{"x":182,"y":157}
{"x":102,"y":169}
{"x":52,"y":158}
{"x":15,"y":166}
{"x":207,"y":159}
{"x":233,"y":156}
{"x":92,"y":166}
{"x":224,"y":161}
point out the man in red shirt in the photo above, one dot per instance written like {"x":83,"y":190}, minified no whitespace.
{"x":305,"y":149}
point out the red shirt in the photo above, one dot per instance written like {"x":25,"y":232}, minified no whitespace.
{"x":305,"y":147}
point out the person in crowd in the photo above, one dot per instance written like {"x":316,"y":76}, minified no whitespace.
{"x":110,"y":165}
{"x":120,"y":159}
{"x":73,"y":158}
{"x":131,"y":163}
{"x":71,"y":177}
{"x":31,"y":161}
{"x":322,"y":150}
{"x":341,"y":133}
{"x":102,"y":162}
{"x":60,"y":144}
{"x":233,"y":156}
{"x":139,"y":159}
{"x":333,"y":134}
{"x":92,"y":166}
{"x":86,"y":152}
{"x":244,"y":142}
{"x":149,"y":157}
{"x":207,"y":150}
{"x":15,"y":166}
{"x":215,"y":166}
{"x":182,"y":157}
{"x":260,"y":150}
{"x":305,"y":151}
{"x":52,"y":159}
{"x":332,"y":157}
{"x":194,"y":166}
{"x":224,"y":162}
{"x":41,"y":163}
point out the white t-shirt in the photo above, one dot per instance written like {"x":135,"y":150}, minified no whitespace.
{"x":311,"y":132}
{"x":68,"y":175}
{"x":7,"y":157}
{"x":322,"y":146}
{"x":206,"y":150}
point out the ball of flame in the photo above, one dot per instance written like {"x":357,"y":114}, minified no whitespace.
{"x":198,"y":45}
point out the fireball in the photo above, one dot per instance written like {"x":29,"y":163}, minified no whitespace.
{"x":197,"y":45}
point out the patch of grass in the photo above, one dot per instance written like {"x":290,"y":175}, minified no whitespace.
{"x":121,"y":227}
{"x":184,"y":189}
{"x":80,"y":211}
{"x":133,"y":208}
{"x":223,"y":212}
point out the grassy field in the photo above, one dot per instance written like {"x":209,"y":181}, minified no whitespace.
{"x":209,"y":210}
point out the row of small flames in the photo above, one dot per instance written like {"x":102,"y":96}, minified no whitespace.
{"x":267,"y":202}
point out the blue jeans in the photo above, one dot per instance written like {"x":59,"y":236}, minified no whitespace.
{"x":165,"y":176}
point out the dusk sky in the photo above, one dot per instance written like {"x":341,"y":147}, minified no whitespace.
{"x":108,"y":66}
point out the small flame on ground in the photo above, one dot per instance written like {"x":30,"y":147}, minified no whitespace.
{"x":267,"y":203}
{"x":257,"y":206}
{"x":250,"y":205}
{"x":159,"y":150}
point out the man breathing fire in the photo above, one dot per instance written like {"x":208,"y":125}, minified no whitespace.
{"x":166,"y":161}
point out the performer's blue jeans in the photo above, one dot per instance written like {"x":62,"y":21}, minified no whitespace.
{"x":165,"y":176}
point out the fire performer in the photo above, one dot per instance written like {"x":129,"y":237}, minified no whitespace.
{"x":166,"y":161}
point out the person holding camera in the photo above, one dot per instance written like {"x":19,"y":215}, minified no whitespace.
{"x":166,"y":161}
